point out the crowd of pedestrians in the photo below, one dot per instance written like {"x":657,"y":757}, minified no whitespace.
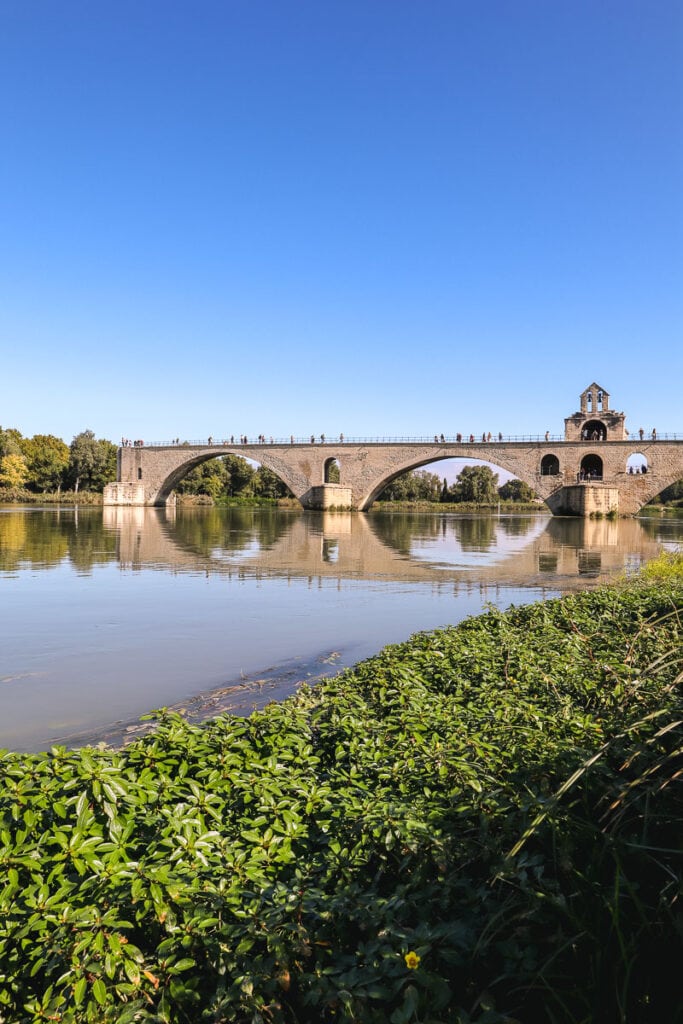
{"x":586,"y":435}
{"x":322,"y":439}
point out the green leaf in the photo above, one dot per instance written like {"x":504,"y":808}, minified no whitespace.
{"x":79,"y":990}
{"x":99,"y":990}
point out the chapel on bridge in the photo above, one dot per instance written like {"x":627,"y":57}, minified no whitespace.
{"x":595,"y":421}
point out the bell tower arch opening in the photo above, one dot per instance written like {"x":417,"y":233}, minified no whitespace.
{"x":594,"y":430}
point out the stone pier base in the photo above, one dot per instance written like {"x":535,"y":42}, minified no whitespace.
{"x":328,"y":496}
{"x":585,"y":500}
{"x":124,"y":494}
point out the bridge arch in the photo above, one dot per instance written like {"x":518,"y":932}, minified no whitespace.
{"x":414,"y":463}
{"x":168,"y":484}
{"x":651,"y":486}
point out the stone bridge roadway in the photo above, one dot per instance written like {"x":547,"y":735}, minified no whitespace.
{"x":147,"y":475}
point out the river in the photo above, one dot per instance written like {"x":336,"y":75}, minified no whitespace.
{"x":109,"y":613}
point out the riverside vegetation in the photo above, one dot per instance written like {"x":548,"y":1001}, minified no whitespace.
{"x":481,"y":824}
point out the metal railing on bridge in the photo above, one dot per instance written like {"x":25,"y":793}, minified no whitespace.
{"x":433,"y":439}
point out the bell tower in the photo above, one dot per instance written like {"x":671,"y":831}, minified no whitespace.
{"x":595,"y":421}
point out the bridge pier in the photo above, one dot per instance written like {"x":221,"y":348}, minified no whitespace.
{"x":124,"y":492}
{"x":327,"y":496}
{"x":130,"y":493}
{"x":585,"y":500}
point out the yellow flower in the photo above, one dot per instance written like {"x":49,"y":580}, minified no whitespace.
{"x":412,"y":960}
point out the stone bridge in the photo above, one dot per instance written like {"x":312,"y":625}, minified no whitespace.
{"x":585,"y":472}
{"x":148,"y":475}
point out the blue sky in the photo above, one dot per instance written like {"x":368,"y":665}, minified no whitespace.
{"x":381,"y":218}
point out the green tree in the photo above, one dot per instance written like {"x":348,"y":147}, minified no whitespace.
{"x":92,"y":462}
{"x":516,"y":490}
{"x":105,"y":465}
{"x":210,"y":477}
{"x":10,"y":442}
{"x":418,"y":485}
{"x":478,"y":484}
{"x":266,"y":484}
{"x":674,"y":492}
{"x":13,"y":471}
{"x":240,"y":473}
{"x":47,"y":458}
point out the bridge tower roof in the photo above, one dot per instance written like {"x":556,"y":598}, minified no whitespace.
{"x":595,"y":420}
{"x":594,"y":387}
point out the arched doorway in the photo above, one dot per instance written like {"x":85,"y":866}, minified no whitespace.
{"x":636,"y":463}
{"x":550,"y":465}
{"x":594,"y":430}
{"x":332,"y":472}
{"x":591,"y":468}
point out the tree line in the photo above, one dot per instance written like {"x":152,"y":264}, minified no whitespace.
{"x":474,"y":484}
{"x":45,"y":463}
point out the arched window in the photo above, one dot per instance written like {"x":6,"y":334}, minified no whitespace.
{"x":636,"y":463}
{"x":139,"y":472}
{"x":332,"y":473}
{"x":550,"y":465}
{"x":591,"y":468}
{"x":594,"y":430}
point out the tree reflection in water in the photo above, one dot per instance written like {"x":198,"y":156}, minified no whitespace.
{"x":206,"y":531}
{"x":44,"y":539}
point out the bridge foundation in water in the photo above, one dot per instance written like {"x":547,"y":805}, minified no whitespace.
{"x":586,"y":500}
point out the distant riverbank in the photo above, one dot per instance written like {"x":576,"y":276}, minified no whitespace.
{"x":19,"y":496}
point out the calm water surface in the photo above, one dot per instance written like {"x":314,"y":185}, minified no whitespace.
{"x":108,"y":613}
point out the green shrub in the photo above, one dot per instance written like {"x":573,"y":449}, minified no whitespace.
{"x":479,"y":825}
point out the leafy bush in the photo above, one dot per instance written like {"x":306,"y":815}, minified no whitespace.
{"x":479,"y":825}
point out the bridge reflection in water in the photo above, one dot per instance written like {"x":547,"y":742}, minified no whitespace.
{"x":111,"y":612}
{"x":534,"y":550}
